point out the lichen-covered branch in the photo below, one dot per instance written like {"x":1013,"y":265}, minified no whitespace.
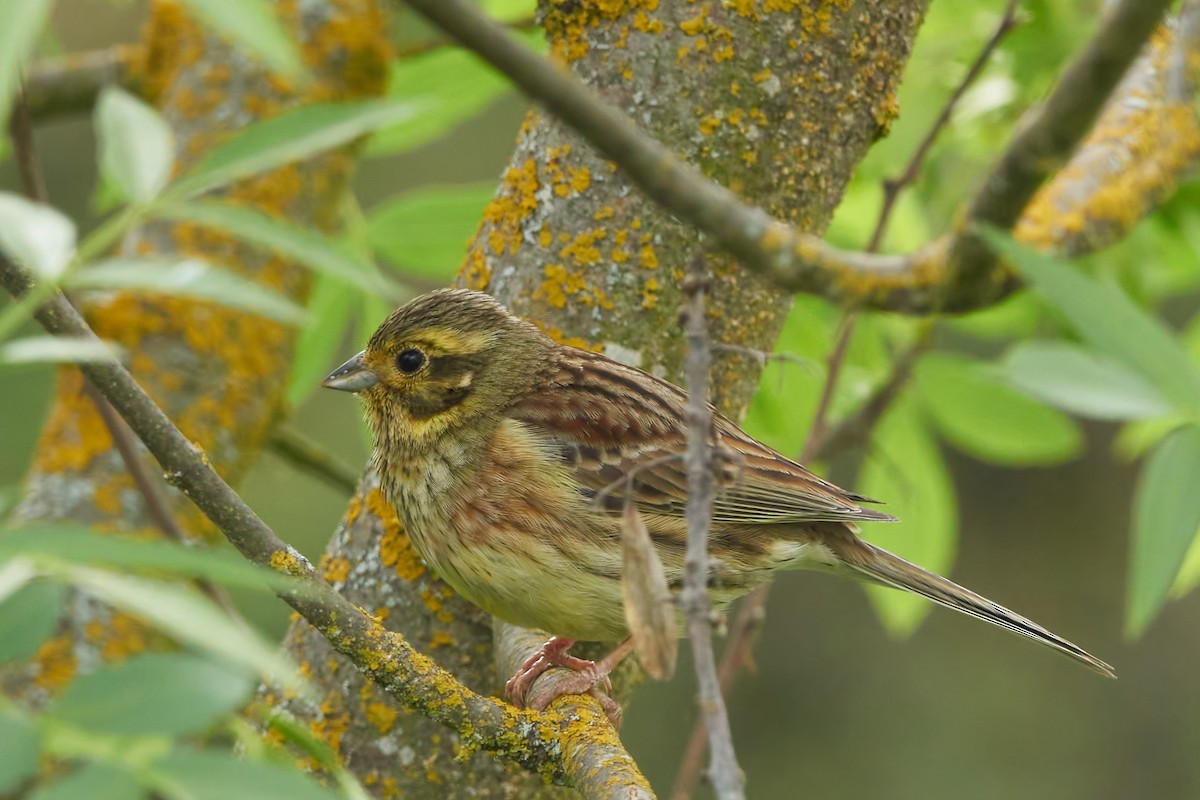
{"x":581,"y":749}
{"x":954,"y":273}
{"x":220,"y":373}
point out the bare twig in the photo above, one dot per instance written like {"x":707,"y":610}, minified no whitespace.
{"x":725,"y":775}
{"x":837,"y":358}
{"x":762,"y":356}
{"x":892,"y":187}
{"x":594,"y":763}
{"x":308,"y":456}
{"x":955,"y":273}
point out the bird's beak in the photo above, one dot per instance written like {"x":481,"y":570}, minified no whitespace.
{"x":353,"y":376}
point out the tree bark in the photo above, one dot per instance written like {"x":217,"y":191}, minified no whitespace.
{"x":777,"y":101}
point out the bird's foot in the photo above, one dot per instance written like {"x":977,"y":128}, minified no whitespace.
{"x":589,"y":677}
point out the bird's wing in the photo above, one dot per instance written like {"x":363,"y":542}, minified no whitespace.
{"x":618,"y":427}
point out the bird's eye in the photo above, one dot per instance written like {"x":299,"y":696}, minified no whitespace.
{"x":410,"y":360}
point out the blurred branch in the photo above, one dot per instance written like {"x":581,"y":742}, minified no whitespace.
{"x":724,"y":773}
{"x":956,"y":272}
{"x":70,"y":84}
{"x":306,"y":455}
{"x":581,"y":749}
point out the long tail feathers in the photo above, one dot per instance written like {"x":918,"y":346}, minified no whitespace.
{"x":882,"y":567}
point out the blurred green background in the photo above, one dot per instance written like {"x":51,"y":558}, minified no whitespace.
{"x":837,"y":708}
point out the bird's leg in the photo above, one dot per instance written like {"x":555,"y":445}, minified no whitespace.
{"x":590,"y":677}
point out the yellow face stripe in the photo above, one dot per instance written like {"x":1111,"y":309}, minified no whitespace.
{"x":450,"y":342}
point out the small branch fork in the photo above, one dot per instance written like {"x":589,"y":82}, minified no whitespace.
{"x":724,"y":774}
{"x":580,"y":749}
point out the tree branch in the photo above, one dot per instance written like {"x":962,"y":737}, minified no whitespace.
{"x":955,"y":273}
{"x":725,"y":775}
{"x":581,"y":749}
{"x":70,"y":84}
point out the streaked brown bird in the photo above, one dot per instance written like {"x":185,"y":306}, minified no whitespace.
{"x":509,"y":457}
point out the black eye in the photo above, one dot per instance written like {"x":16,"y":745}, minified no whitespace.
{"x":409,"y":361}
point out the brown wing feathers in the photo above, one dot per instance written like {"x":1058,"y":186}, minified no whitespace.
{"x":607,"y":417}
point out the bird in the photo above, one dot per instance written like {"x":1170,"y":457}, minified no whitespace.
{"x":510,"y":458}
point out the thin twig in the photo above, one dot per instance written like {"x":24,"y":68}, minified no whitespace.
{"x":893,"y":187}
{"x":305,"y":454}
{"x":724,"y":773}
{"x":954,"y":273}
{"x":762,"y":356}
{"x":33,"y":182}
{"x":595,"y":764}
{"x":70,"y":84}
{"x":837,"y":359}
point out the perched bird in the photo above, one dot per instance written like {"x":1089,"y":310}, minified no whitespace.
{"x":509,"y":456}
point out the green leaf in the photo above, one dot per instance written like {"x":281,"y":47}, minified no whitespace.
{"x":427,"y":231}
{"x":1109,"y":321}
{"x":982,"y":416}
{"x":308,"y":248}
{"x":254,"y":27}
{"x":1166,"y":516}
{"x":156,"y":693}
{"x":190,"y":618}
{"x":137,"y":148}
{"x":21,"y":21}
{"x":78,"y":545}
{"x":212,"y":775}
{"x":27,"y":618}
{"x":189,"y":278}
{"x":36,"y":236}
{"x":451,"y":84}
{"x":1188,"y":576}
{"x":19,"y":748}
{"x":292,"y":136}
{"x":95,"y":782}
{"x":906,"y":467}
{"x":1082,"y":382}
{"x":57,"y":350}
{"x":329,"y":306}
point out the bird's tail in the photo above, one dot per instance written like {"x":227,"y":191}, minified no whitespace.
{"x":880,"y":566}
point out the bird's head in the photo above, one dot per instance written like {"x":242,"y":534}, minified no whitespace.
{"x":444,"y":359}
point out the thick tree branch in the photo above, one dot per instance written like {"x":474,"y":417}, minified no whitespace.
{"x":954,"y":273}
{"x":581,"y":749}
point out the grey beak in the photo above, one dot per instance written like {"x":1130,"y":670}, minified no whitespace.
{"x":353,"y":376}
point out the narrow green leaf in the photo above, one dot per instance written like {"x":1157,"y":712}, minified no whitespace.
{"x":255,"y":28}
{"x":79,"y":545}
{"x":308,"y":248}
{"x":984,"y":417}
{"x":95,"y":782}
{"x":19,"y":749}
{"x":156,"y":693}
{"x":1082,"y":382}
{"x":1188,"y":577}
{"x":451,"y":85}
{"x":1109,"y":321}
{"x":426,"y":232}
{"x":36,"y":236}
{"x":57,"y":350}
{"x":1166,"y":516}
{"x":28,"y":618}
{"x":212,"y":775}
{"x":137,"y":148}
{"x":21,"y":21}
{"x":291,"y":136}
{"x":329,"y":306}
{"x":190,"y":618}
{"x":906,"y":467}
{"x":188,"y":278}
